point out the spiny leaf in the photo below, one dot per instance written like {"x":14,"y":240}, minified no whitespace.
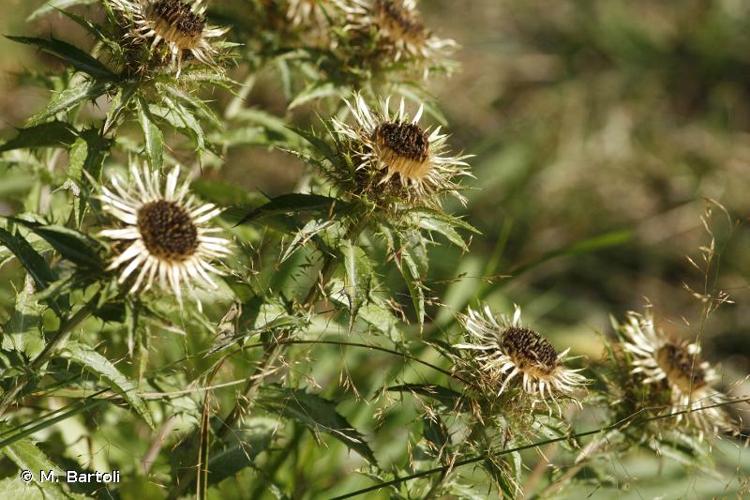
{"x":12,"y":487}
{"x":28,"y":457}
{"x":68,"y":99}
{"x":410,"y":272}
{"x":72,"y":55}
{"x":321,"y":146}
{"x":21,"y":332}
{"x":152,"y":134}
{"x":71,"y":244}
{"x":359,"y":274}
{"x":188,"y":122}
{"x":97,"y":364}
{"x":433,"y":220}
{"x":317,"y":413}
{"x":294,"y":203}
{"x":30,"y":259}
{"x":52,"y":134}
{"x":254,"y":437}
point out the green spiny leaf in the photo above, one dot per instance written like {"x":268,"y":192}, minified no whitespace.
{"x":152,"y":134}
{"x":71,"y":244}
{"x":359,"y":273}
{"x":53,"y":134}
{"x":97,"y":364}
{"x":30,"y":259}
{"x":293,"y":204}
{"x":315,"y":412}
{"x":68,"y":99}
{"x":72,"y":55}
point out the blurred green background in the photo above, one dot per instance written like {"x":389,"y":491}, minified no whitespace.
{"x":611,"y":120}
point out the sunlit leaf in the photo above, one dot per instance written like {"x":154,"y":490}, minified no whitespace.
{"x":359,"y":273}
{"x":69,"y":98}
{"x":92,"y":361}
{"x":152,"y":134}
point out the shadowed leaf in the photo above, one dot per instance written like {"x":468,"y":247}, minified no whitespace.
{"x":315,"y":412}
{"x":71,"y":244}
{"x":52,"y":134}
{"x":72,"y":55}
{"x":293,"y":204}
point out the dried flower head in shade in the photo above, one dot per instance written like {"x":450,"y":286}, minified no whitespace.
{"x":166,"y":233}
{"x":305,"y":12}
{"x":659,"y":359}
{"x":509,"y":353}
{"x":398,"y":27}
{"x":398,"y":158}
{"x":172,"y":24}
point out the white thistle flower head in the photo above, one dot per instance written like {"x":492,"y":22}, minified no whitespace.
{"x":507,"y":353}
{"x":398,"y":25}
{"x":165,"y":233}
{"x":660,"y":359}
{"x":180,"y":27}
{"x":390,"y":147}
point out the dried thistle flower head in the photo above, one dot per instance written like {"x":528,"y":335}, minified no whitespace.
{"x":399,"y":159}
{"x":305,"y":12}
{"x":659,"y":359}
{"x":172,"y":24}
{"x":166,"y":232}
{"x":398,"y":28}
{"x":507,"y":352}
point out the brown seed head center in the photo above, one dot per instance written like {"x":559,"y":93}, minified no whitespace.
{"x":530,"y":352}
{"x":177,"y":23}
{"x":404,"y":148}
{"x":167,"y":230}
{"x":399,"y":21}
{"x":683,"y":369}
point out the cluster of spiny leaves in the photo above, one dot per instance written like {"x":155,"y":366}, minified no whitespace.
{"x":308,"y":307}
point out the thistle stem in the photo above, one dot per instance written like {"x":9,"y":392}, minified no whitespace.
{"x":275,"y":349}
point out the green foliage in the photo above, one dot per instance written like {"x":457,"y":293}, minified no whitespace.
{"x":301,"y":289}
